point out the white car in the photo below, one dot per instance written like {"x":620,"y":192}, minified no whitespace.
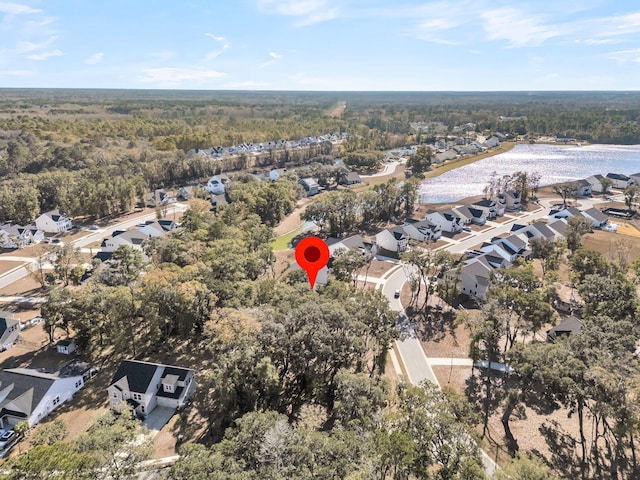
{"x":396,"y":294}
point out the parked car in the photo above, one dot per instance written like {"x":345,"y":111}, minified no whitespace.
{"x":6,"y":438}
{"x":466,"y":229}
{"x":93,"y":227}
{"x":396,"y":294}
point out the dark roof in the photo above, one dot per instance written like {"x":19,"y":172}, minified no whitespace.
{"x":485,"y":203}
{"x":572,"y":325}
{"x":617,"y":176}
{"x":181,"y":373}
{"x":27,"y":389}
{"x":139,"y":374}
{"x":64,"y":343}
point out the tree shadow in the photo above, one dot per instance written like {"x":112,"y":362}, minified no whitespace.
{"x":564,"y":456}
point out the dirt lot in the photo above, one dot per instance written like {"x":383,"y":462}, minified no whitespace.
{"x":26,"y":286}
{"x":6,"y":265}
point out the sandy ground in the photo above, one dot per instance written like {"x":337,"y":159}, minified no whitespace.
{"x":6,"y":265}
{"x":293,"y":220}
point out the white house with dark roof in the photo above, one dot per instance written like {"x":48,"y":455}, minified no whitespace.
{"x":144,"y":386}
{"x":55,"y":221}
{"x":9,"y":330}
{"x":30,"y":395}
{"x":596,"y":183}
{"x":510,"y":200}
{"x":492,"y":208}
{"x":584,"y":188}
{"x":620,"y":180}
{"x":393,"y":239}
{"x":635,"y":178}
{"x":598,"y":218}
{"x":476,"y":216}
{"x":447,"y":220}
{"x":217,"y":184}
{"x":422,"y":230}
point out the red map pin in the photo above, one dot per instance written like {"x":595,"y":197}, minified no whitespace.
{"x":312,"y":254}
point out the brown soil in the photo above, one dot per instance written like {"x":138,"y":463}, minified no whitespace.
{"x":293,"y":220}
{"x":6,"y":265}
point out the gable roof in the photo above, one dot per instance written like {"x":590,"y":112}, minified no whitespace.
{"x":22,"y":389}
{"x":596,"y":214}
{"x":618,"y":176}
{"x":138,"y":375}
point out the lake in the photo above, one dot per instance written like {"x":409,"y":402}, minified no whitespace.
{"x":554,"y":163}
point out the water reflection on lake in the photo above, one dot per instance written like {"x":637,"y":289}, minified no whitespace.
{"x":554,"y":163}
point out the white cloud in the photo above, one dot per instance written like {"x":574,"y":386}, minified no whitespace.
{"x":28,"y":46}
{"x":624,"y":56}
{"x":175,"y":77}
{"x":17,"y":9}
{"x":16,"y":73}
{"x":94,"y":59}
{"x":224,"y":46}
{"x":517,"y":28}
{"x":306,"y":12}
{"x":275,"y":58}
{"x":44,"y":55}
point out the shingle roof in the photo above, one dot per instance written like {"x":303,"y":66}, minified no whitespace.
{"x":138,"y":374}
{"x":22,"y":390}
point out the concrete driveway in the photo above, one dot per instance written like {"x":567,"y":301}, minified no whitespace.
{"x":158,"y":418}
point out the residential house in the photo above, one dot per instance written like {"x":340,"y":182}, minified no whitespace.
{"x":619,"y":180}
{"x":535,"y":230}
{"x":474,"y":277}
{"x":393,"y":240}
{"x":500,"y":136}
{"x":144,"y":386}
{"x":635,"y":178}
{"x":350,"y":178}
{"x":476,"y":216}
{"x":596,"y":183}
{"x":151,"y":229}
{"x":567,"y":212}
{"x":491,"y":142}
{"x":513,"y":246}
{"x":492,"y":208}
{"x":15,"y":236}
{"x":422,"y":230}
{"x":167,"y":224}
{"x":55,"y":221}
{"x":132,"y":238}
{"x":446,"y":220}
{"x":598,"y":218}
{"x":9,"y":330}
{"x":187,"y":192}
{"x":310,"y":186}
{"x":510,"y":200}
{"x":30,"y":395}
{"x":569,"y":326}
{"x":217,"y":184}
{"x":354,"y":241}
{"x":66,"y":347}
{"x":163,"y":198}
{"x":584,"y":188}
{"x":559,"y":227}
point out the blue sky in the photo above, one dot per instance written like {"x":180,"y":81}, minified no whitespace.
{"x":322,"y":44}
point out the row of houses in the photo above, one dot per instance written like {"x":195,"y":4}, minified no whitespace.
{"x":452,"y":220}
{"x":502,"y":252}
{"x":618,"y":180}
{"x":257,"y":148}
{"x":17,"y":236}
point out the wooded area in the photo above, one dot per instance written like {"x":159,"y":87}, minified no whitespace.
{"x":294,"y":383}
